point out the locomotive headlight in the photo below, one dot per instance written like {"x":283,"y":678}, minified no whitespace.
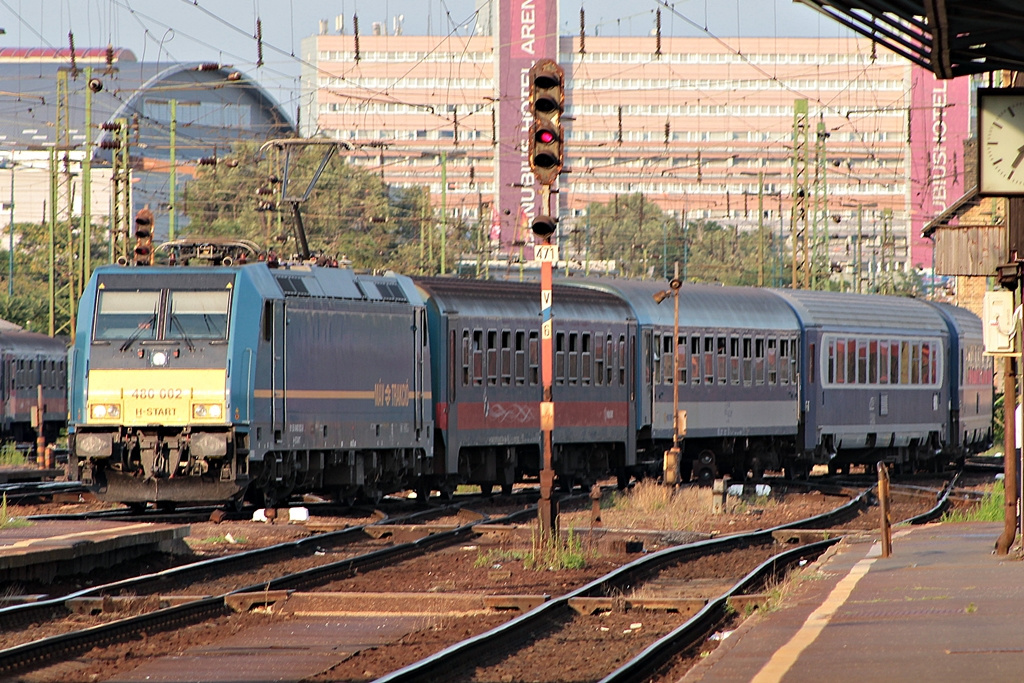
{"x":102,"y":411}
{"x":211,"y":410}
{"x":158,"y":358}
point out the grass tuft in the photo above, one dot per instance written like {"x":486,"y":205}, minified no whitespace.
{"x":10,"y":455}
{"x":990,"y":509}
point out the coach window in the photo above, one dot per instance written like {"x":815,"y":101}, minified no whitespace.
{"x":656,"y":360}
{"x":534,"y":358}
{"x":622,"y":360}
{"x":466,"y":358}
{"x":759,"y":361}
{"x":873,"y":362}
{"x":478,"y":357}
{"x":784,"y":361}
{"x":915,"y":363}
{"x":794,"y":354}
{"x":585,"y":358}
{"x":609,"y":360}
{"x":709,"y":360}
{"x":599,"y":360}
{"x":862,"y":362}
{"x":894,"y":362}
{"x":506,"y":358}
{"x":695,"y":359}
{"x":560,"y":358}
{"x":734,"y":360}
{"x":904,"y":362}
{"x":935,"y":364}
{"x":574,"y":358}
{"x":748,"y":361}
{"x":851,"y":361}
{"x":126,"y":315}
{"x":883,"y":362}
{"x":492,"y":357}
{"x":721,"y":348}
{"x":520,"y":360}
{"x":682,"y":362}
{"x":926,"y":363}
{"x":666,"y":355}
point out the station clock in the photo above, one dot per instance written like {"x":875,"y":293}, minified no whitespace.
{"x":1001,"y":142}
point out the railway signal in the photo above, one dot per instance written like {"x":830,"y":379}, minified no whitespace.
{"x":547,"y":102}
{"x":144,"y":238}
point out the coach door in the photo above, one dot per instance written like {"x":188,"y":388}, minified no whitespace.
{"x":648,"y":400}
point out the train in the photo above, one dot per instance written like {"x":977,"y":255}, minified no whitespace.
{"x":33,"y":374}
{"x":262,"y":380}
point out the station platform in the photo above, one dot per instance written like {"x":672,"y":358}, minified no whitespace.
{"x":43,"y":550}
{"x":941,"y":608}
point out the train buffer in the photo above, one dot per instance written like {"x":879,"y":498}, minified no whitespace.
{"x":941,"y":608}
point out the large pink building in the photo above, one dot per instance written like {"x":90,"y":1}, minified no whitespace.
{"x":692,"y":123}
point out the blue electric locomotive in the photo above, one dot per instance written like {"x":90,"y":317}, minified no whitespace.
{"x":198,"y":383}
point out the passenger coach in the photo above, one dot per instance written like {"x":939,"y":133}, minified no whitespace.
{"x":874,"y":378}
{"x":487,"y":382}
{"x":737,"y":373}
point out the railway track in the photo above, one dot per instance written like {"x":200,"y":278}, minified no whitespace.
{"x":202,"y":589}
{"x":564,"y":624}
{"x":195,"y":606}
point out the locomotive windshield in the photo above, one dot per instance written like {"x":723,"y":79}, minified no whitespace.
{"x":198,"y":315}
{"x":151,"y":315}
{"x":120,"y":315}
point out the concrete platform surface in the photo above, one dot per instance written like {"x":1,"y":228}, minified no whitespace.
{"x":941,"y":608}
{"x":43,"y":549}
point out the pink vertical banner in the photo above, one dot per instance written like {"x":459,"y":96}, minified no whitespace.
{"x":940,"y":118}
{"x":527,"y":31}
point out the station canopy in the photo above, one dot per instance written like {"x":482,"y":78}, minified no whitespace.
{"x":949,"y":37}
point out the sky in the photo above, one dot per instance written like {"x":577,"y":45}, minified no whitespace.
{"x":223,"y":30}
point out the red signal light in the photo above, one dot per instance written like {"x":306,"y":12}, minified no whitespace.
{"x":545,"y":136}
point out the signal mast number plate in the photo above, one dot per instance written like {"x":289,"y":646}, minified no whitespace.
{"x":546,"y":253}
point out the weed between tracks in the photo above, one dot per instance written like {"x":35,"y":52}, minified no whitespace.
{"x":6,"y":520}
{"x":10,"y":455}
{"x":990,"y":509}
{"x":560,"y":552}
{"x":650,"y":505}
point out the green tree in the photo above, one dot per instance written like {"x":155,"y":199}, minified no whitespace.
{"x":349,"y":213}
{"x":636,"y":233}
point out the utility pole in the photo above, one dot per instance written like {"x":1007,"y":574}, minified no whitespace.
{"x":801,"y":266}
{"x":172,"y":211}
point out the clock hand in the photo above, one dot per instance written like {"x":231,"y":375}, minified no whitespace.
{"x":1020,"y":157}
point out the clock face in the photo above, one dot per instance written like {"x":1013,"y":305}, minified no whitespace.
{"x":1001,"y":144}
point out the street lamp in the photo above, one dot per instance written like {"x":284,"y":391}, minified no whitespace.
{"x":670,"y":465}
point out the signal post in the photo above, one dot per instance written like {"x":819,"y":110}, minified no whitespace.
{"x":546,"y":152}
